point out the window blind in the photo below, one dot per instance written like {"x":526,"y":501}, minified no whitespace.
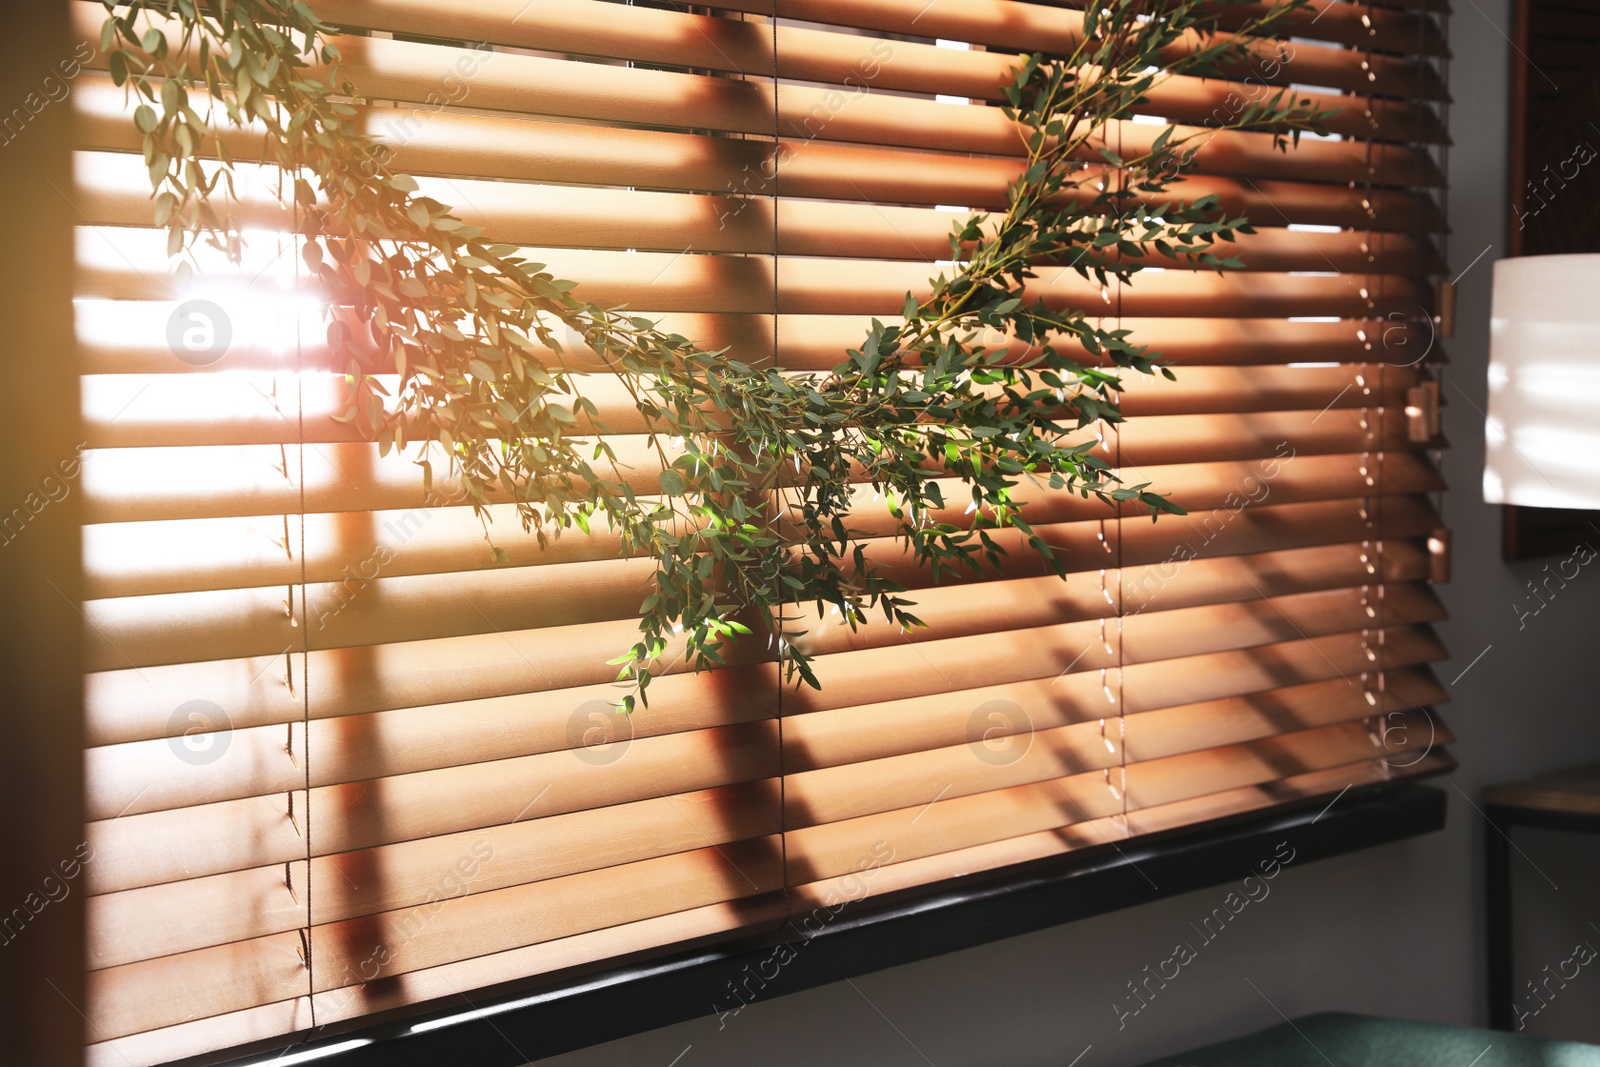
{"x":342,"y":764}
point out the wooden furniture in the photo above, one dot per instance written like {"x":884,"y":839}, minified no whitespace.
{"x":1560,"y":800}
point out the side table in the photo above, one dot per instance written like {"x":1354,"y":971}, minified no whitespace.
{"x":1560,"y":800}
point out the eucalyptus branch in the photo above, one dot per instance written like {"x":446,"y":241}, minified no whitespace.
{"x":982,"y":383}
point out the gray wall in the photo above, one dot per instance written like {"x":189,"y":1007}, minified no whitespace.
{"x":1394,"y":930}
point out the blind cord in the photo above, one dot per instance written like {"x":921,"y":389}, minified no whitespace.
{"x":1373,"y":551}
{"x":1122,"y":706}
{"x":783,"y":775}
{"x":305,"y":635}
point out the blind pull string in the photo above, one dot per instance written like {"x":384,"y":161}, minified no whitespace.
{"x":1372,"y":512}
{"x":777,"y":366}
{"x":309,"y":956}
{"x":283,"y":469}
{"x":1116,"y":445}
{"x":1109,"y":438}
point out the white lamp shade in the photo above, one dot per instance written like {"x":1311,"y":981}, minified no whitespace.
{"x":1543,"y":433}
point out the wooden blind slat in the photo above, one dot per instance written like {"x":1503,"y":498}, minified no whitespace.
{"x":236,"y":835}
{"x":678,"y":929}
{"x":199,"y":409}
{"x":575,"y":217}
{"x":366,"y":609}
{"x":225,"y":978}
{"x":830,"y":849}
{"x":813,"y":342}
{"x":154,"y":921}
{"x":409,"y":71}
{"x":397,"y":742}
{"x":486,"y":146}
{"x":1091,"y":832}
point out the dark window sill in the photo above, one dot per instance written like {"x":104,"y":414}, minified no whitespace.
{"x":505,"y":1028}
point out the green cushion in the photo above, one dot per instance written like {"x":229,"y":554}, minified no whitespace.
{"x":1366,"y":1041}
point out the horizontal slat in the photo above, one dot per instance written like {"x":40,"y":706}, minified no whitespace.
{"x":181,"y":555}
{"x":1102,"y":831}
{"x":128,"y":411}
{"x":457,"y":145}
{"x":680,"y":929}
{"x":1299,"y":513}
{"x":247,"y":480}
{"x":1173,"y":731}
{"x":167,"y":846}
{"x":1313,"y":159}
{"x":575,"y":217}
{"x":1295,"y":788}
{"x":1220,"y":498}
{"x":256,"y":761}
{"x":1185,"y":579}
{"x":130,"y":705}
{"x":157,"y":413}
{"x":259,"y":1024}
{"x":1360,"y":26}
{"x":949,"y":823}
{"x":1165,"y":781}
{"x":418,"y":939}
{"x":438,"y":77}
{"x":191,"y":840}
{"x":365,"y":610}
{"x":672,"y":39}
{"x":1433,"y":7}
{"x":130,"y":337}
{"x":1146,"y":639}
{"x":1201,"y":390}
{"x":453,"y":672}
{"x":368,"y":608}
{"x":997,"y":723}
{"x":142,"y":484}
{"x":137,"y":996}
{"x":1156,"y":439}
{"x":897,"y":670}
{"x":1207,"y":102}
{"x":1020,"y":25}
{"x":1160,"y":573}
{"x":813,"y":342}
{"x":976,"y":766}
{"x":688,"y":282}
{"x":1257,"y":670}
{"x":1248,"y":677}
{"x":147,"y":923}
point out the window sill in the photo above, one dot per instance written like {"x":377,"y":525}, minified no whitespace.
{"x":507,"y":1028}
